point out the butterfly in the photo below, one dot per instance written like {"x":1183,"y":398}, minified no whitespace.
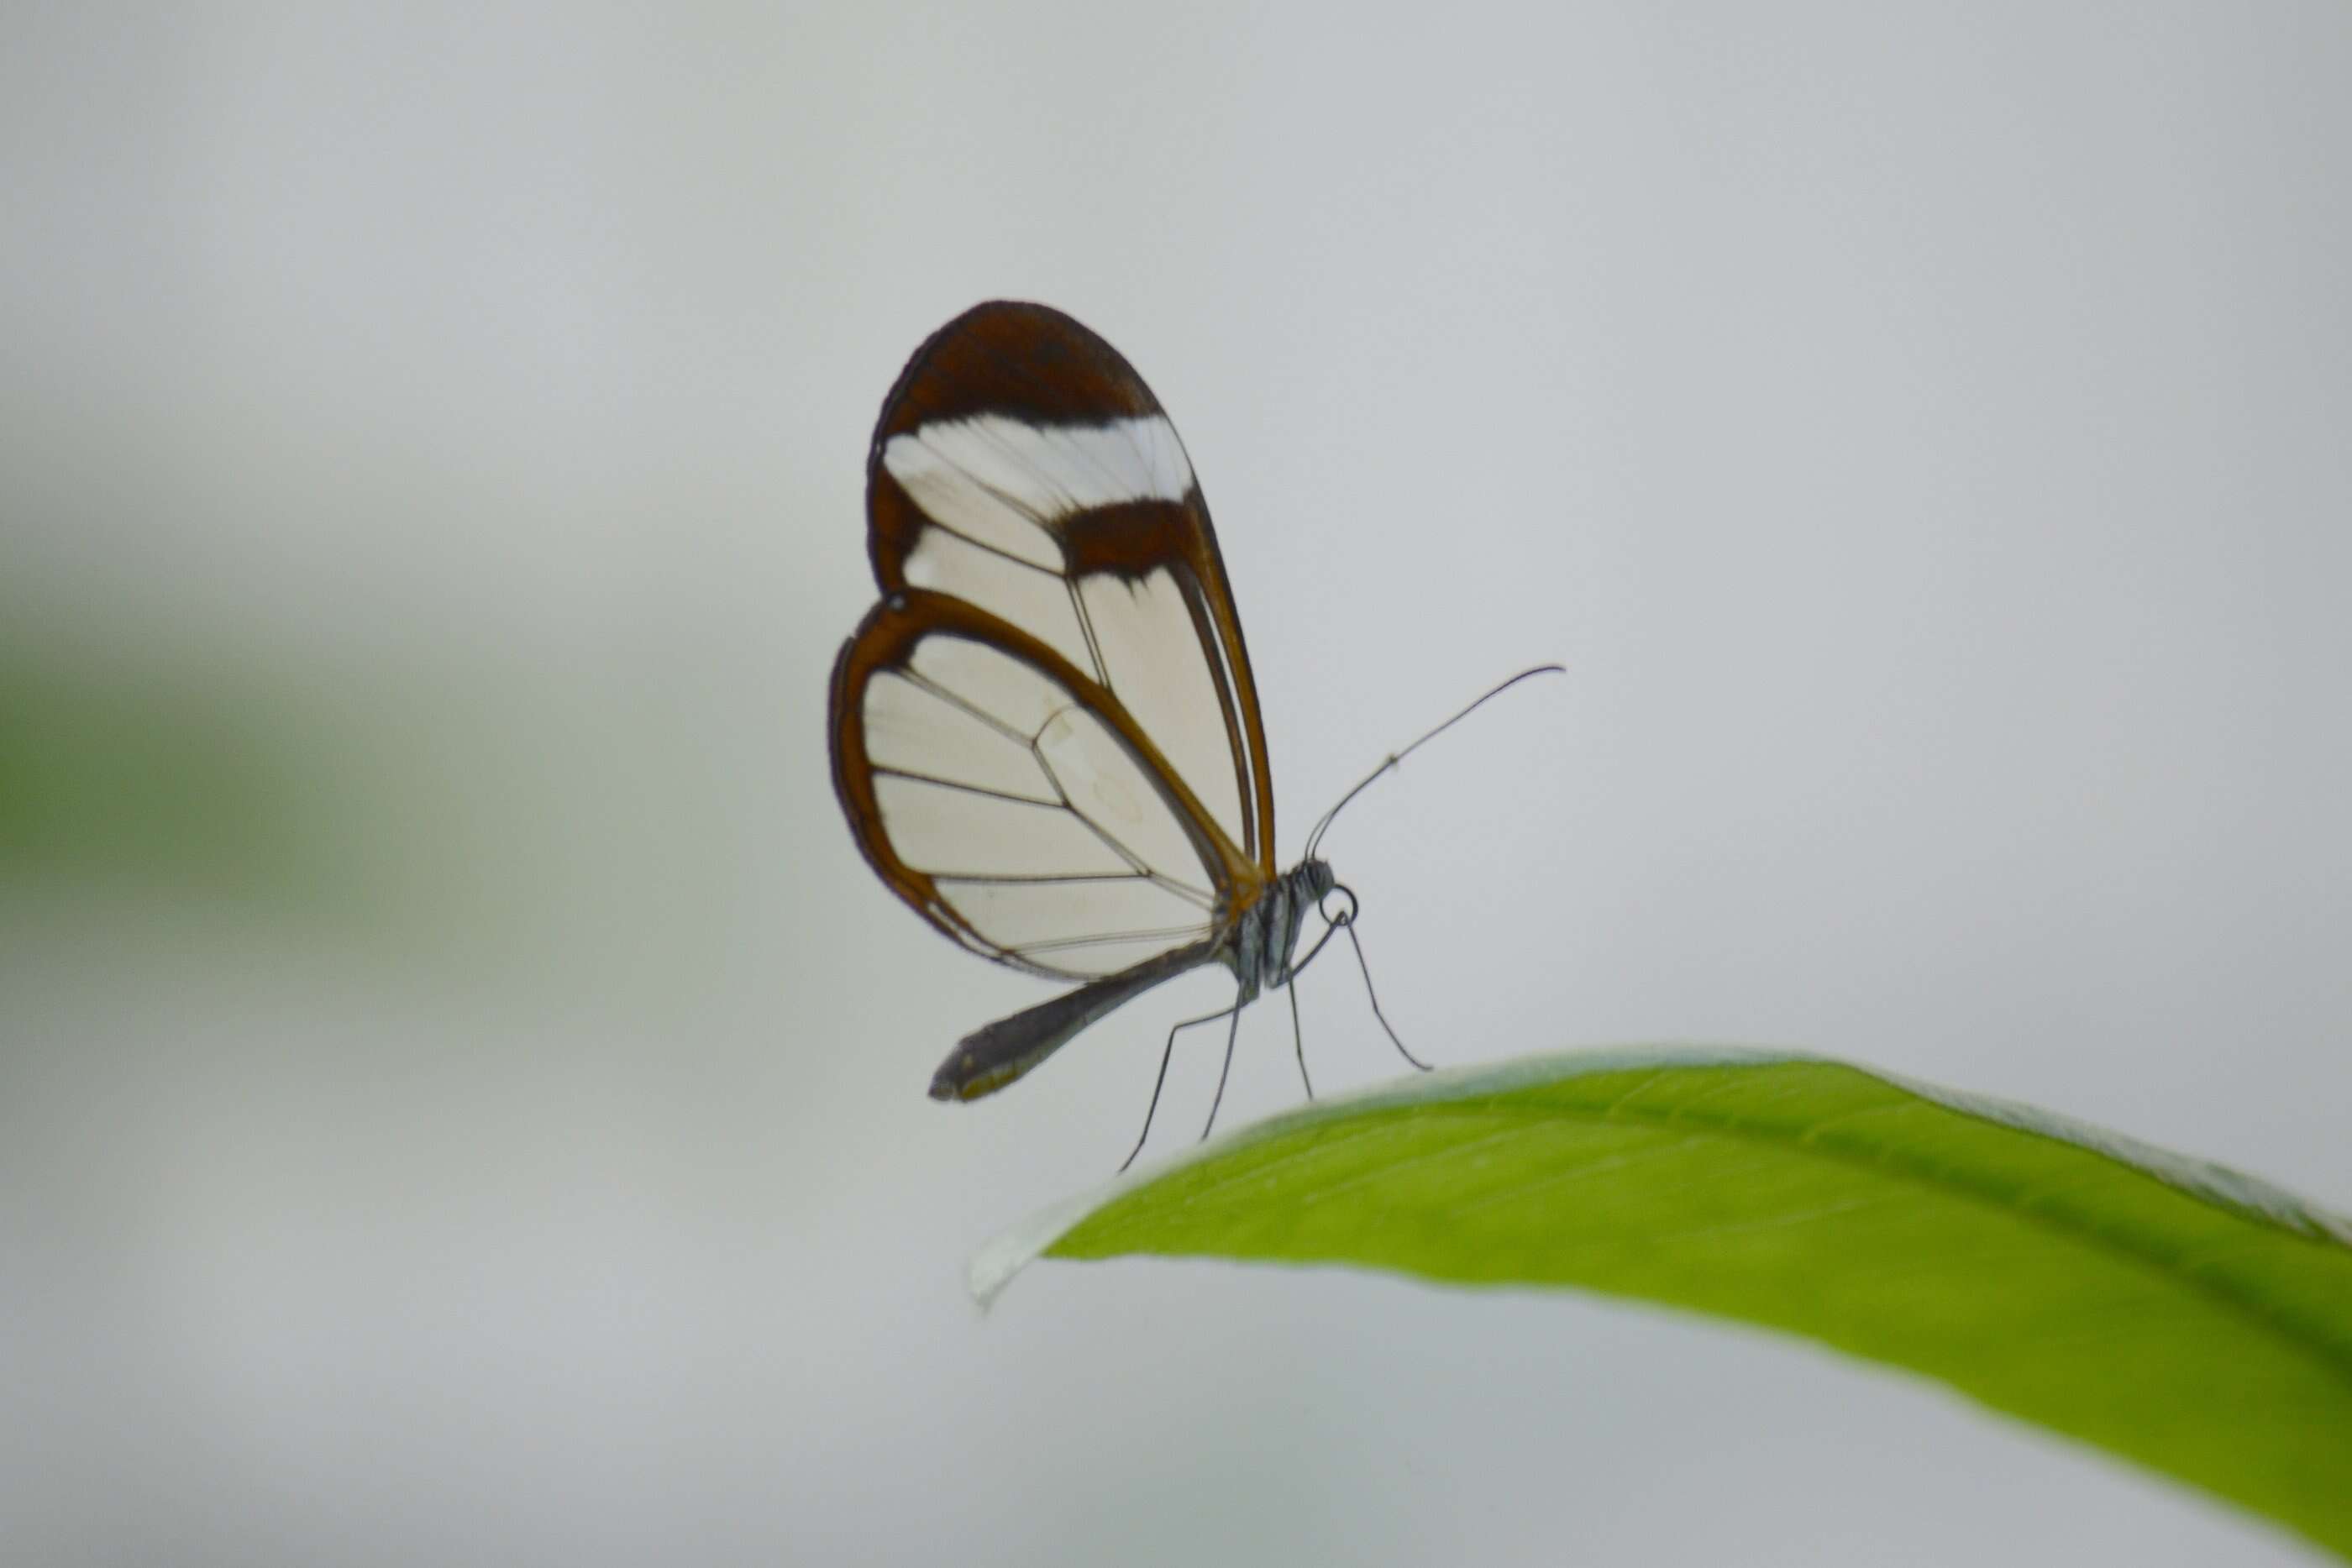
{"x":1045,"y":733}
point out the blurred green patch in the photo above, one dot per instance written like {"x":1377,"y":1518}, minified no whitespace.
{"x":223,"y":793}
{"x":210,"y":791}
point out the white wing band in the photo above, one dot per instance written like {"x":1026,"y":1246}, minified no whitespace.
{"x":968,"y":473}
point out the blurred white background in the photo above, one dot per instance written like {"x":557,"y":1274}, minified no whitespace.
{"x":461,"y":1093}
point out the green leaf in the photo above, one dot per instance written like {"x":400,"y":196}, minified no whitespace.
{"x":2175,"y":1313}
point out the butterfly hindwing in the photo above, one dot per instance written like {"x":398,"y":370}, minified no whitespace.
{"x":997,"y":790}
{"x":1022,"y":465}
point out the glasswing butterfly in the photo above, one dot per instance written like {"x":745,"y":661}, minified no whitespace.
{"x":1045,"y":733}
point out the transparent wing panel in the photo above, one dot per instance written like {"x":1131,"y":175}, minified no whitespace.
{"x":946,"y":830}
{"x":1038,"y":601}
{"x":917,"y":729}
{"x":1154,"y":662}
{"x":1016,"y":914}
{"x":1093,"y":957}
{"x":1103,"y":783}
{"x":1039,"y":828}
{"x":1013,"y":696}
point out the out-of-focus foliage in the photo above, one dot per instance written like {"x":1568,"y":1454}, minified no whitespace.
{"x":171,"y":783}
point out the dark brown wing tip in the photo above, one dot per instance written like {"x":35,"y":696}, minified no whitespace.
{"x":920,"y":358}
{"x":1014,"y":357}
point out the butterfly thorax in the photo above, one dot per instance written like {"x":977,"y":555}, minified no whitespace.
{"x":1266,"y":938}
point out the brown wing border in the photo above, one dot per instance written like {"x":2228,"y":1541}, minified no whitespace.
{"x":887,"y":640}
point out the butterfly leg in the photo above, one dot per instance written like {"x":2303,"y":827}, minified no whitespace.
{"x":1290,"y":983}
{"x":1161,"y":1082}
{"x":1231,"y":1035}
{"x":1357,"y":943}
{"x":1299,"y":1041}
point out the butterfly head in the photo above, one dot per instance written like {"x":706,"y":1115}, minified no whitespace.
{"x":1311,"y":887}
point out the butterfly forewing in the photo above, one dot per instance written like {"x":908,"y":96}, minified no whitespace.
{"x":1022,"y":466}
{"x":1046,"y":736}
{"x":1045,"y":733}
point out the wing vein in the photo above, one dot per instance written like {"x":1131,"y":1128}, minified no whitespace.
{"x":1116,"y":845}
{"x":1142,"y":866}
{"x":1086,"y":628}
{"x":884,"y":768}
{"x":1185,"y":889}
{"x":1024,"y":878}
{"x":1025,"y":742}
{"x":997,"y":550}
{"x":1006,"y":498}
{"x":996,"y":436}
{"x":1105,"y":938}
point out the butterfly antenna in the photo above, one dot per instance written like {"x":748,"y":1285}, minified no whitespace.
{"x":1323,"y":825}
